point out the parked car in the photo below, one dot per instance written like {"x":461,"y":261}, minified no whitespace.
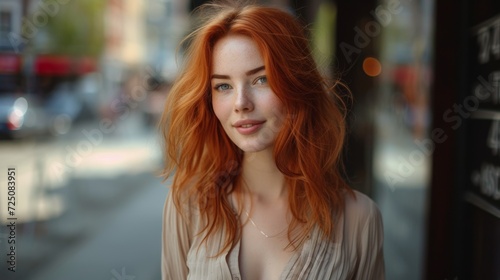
{"x":22,"y":116}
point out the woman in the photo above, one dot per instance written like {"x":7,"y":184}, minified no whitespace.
{"x":254,"y":135}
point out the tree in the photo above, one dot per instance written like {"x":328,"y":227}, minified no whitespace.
{"x":75,"y":27}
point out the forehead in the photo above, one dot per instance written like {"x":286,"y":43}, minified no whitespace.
{"x":235,"y":53}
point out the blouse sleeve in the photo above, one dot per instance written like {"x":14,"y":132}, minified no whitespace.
{"x":175,"y":243}
{"x":371,"y":263}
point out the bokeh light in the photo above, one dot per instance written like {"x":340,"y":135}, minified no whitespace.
{"x":372,"y":67}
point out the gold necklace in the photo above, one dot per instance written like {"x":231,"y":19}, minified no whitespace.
{"x":260,"y":230}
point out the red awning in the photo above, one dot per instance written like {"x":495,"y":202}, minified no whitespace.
{"x":10,"y":63}
{"x":53,"y":65}
{"x":57,"y":65}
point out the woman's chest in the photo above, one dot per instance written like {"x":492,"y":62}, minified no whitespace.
{"x":314,"y":260}
{"x":262,"y":257}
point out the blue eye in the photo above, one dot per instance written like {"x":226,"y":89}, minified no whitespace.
{"x":222,"y":87}
{"x":261,"y":80}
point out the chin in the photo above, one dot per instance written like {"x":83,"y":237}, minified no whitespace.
{"x":251,"y":147}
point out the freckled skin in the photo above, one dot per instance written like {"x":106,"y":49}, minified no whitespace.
{"x":238,"y":96}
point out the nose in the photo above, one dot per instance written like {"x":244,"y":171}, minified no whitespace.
{"x":243,"y":101}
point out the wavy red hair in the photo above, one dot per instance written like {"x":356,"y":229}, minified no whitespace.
{"x":307,"y":149}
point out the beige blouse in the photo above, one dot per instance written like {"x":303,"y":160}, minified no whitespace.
{"x":356,"y":254}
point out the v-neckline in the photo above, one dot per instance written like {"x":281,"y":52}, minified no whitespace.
{"x":233,"y":256}
{"x":232,"y":261}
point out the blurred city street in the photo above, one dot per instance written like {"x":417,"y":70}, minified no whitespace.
{"x":400,"y":201}
{"x":101,"y":217}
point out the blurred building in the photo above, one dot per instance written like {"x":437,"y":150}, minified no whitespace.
{"x":99,"y":50}
{"x":11,"y":13}
{"x":139,"y":57}
{"x":464,"y":213}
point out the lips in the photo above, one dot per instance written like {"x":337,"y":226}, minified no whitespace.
{"x":247,"y":127}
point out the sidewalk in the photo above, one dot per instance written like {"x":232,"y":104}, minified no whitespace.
{"x":111,"y":224}
{"x":99,"y":239}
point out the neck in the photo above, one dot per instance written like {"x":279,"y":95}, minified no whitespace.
{"x":262,"y":177}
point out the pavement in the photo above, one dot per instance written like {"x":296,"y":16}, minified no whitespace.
{"x":100,"y":237}
{"x":108,"y":223}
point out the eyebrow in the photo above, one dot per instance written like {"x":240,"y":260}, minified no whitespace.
{"x":248,"y":73}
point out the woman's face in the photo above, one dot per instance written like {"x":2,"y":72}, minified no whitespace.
{"x":248,"y":110}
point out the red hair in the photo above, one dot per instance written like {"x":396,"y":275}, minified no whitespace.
{"x":307,"y":149}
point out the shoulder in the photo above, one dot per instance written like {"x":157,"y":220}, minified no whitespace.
{"x":183,"y":204}
{"x":185,"y":214}
{"x":360,"y":211}
{"x":364,"y":236}
{"x":358,"y":247}
{"x":359,"y":202}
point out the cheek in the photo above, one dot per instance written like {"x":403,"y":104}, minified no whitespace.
{"x":219,"y":109}
{"x":278,"y":108}
{"x":278,"y":113}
